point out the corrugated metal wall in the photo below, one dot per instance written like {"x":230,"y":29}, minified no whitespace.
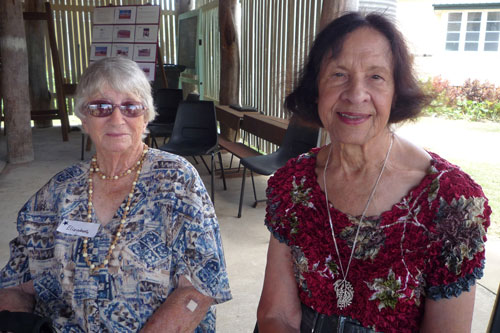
{"x":275,"y":38}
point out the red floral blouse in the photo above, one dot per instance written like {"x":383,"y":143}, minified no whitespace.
{"x":429,"y":245}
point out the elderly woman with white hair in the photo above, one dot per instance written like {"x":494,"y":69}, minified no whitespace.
{"x":127,"y":241}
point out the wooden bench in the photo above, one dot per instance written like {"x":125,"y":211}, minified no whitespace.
{"x":269,"y":128}
{"x":238,"y":149}
{"x":233,"y":119}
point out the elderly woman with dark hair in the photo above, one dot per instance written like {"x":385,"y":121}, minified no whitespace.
{"x":370,"y":232}
{"x":125,"y":242}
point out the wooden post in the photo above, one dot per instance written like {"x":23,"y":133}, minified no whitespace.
{"x":332,"y":9}
{"x":14,"y":82}
{"x":229,"y":59}
{"x":35,"y":41}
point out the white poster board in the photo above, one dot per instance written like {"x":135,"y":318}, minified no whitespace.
{"x":128,"y":31}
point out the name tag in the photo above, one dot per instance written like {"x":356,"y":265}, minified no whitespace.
{"x":78,"y":228}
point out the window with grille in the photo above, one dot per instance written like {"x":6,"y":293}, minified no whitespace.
{"x":491,"y":37}
{"x":473,"y":31}
{"x":473,"y":28}
{"x":453,"y":35}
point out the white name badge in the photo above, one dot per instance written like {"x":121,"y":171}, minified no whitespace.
{"x":78,"y":228}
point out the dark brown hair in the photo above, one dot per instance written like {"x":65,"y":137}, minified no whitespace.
{"x":408,"y":96}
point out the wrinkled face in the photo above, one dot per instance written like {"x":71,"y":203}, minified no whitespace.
{"x":115,"y":133}
{"x":356,"y":90}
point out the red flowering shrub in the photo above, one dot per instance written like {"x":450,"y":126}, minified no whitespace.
{"x":473,"y":100}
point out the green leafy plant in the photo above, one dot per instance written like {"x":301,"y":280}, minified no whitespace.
{"x":473,"y":100}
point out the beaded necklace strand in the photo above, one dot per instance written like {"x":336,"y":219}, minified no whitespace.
{"x":94,"y":168}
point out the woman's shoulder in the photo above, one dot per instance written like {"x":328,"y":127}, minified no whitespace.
{"x":459,"y":200}
{"x":69,"y":176}
{"x":451,"y":180}
{"x":298,"y":166}
{"x":167,"y":172}
{"x":48,"y":195}
{"x":72,"y":172}
{"x":162,"y":157}
{"x":165,"y":162}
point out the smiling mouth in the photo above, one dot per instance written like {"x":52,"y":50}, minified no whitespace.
{"x":354,"y":116}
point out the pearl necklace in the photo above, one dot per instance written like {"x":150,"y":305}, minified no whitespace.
{"x":95,"y":167}
{"x":343,"y":288}
{"x":118,"y":233}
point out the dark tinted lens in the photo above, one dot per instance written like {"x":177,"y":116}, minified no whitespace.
{"x":100,"y":109}
{"x":132,"y":110}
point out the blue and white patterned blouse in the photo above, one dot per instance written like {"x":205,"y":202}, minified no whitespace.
{"x":171,"y":231}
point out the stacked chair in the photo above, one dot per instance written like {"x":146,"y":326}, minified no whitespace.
{"x":166,"y":101}
{"x":298,"y":140}
{"x":194,"y":133}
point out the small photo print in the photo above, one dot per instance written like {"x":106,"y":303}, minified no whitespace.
{"x":123,"y":33}
{"x":99,"y":51}
{"x":146,"y":33}
{"x":124,"y":50}
{"x":125,"y":15}
{"x":149,"y":69}
{"x":144,"y":52}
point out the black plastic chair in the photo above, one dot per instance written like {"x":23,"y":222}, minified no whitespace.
{"x":298,"y":140}
{"x":166,"y":101}
{"x":195,"y":133}
{"x":494,"y":324}
{"x":24,"y":322}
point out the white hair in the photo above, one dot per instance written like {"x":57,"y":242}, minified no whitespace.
{"x":118,"y":73}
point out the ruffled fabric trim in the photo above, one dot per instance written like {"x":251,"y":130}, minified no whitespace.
{"x":454,"y":289}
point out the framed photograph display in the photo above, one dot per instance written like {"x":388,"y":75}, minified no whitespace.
{"x":129,"y":31}
{"x":104,"y":15}
{"x":144,"y":52}
{"x":124,"y":50}
{"x":99,"y":51}
{"x":148,"y":15}
{"x":125,"y":15}
{"x":146,"y":33}
{"x":149,"y":69}
{"x":102,"y":33}
{"x":123,"y":33}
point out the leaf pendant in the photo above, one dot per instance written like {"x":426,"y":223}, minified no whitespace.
{"x":345,"y":293}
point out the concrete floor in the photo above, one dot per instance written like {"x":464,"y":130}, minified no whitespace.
{"x":245,"y":240}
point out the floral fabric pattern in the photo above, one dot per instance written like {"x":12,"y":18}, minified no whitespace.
{"x":429,"y":245}
{"x":171,"y":231}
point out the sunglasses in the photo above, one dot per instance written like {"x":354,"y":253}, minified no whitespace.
{"x":105,"y":109}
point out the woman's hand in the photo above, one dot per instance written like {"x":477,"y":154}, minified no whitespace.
{"x":449,"y":315}
{"x":279,"y":307}
{"x":182,"y":311}
{"x":20,"y":298}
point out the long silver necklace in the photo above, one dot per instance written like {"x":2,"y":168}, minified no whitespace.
{"x":343,"y":288}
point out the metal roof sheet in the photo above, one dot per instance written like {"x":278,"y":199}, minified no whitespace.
{"x":466,"y":4}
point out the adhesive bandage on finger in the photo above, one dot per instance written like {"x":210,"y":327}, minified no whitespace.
{"x":192,"y":305}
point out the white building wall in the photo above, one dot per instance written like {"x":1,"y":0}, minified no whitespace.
{"x":425,"y":31}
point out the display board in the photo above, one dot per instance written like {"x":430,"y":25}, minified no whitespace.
{"x":127,"y":31}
